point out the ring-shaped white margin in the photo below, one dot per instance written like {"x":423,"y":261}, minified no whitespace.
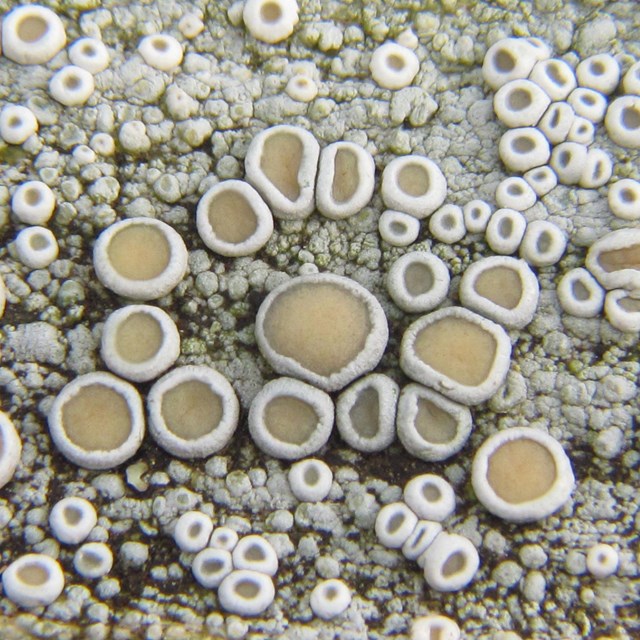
{"x":317,"y":399}
{"x":387,"y":392}
{"x":365,"y":170}
{"x":429,"y":299}
{"x":164,"y":357}
{"x":514,"y":317}
{"x":99,"y":458}
{"x":419,"y":206}
{"x":11,"y":447}
{"x":421,"y":372}
{"x":621,"y":278}
{"x":270,"y":31}
{"x":411,"y":438}
{"x":529,"y":510}
{"x":37,"y":51}
{"x":231,"y":600}
{"x":33,"y":595}
{"x":367,"y":359}
{"x":263,"y":219}
{"x":150,"y":288}
{"x":281,"y":206}
{"x":208,"y":443}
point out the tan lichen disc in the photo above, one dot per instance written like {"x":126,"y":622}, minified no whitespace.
{"x":139,"y":342}
{"x":614,"y":259}
{"x":501,"y":288}
{"x":193,"y":411}
{"x":97,"y":421}
{"x":233,"y":220}
{"x":430,"y":426}
{"x":366,"y":413}
{"x":282,"y":163}
{"x":522,"y":474}
{"x":290,"y":419}
{"x":346,"y":177}
{"x":33,"y":580}
{"x":457,"y":352}
{"x":10,"y":449}
{"x":323,"y":328}
{"x":140,"y":258}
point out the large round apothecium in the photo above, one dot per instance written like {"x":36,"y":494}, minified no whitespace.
{"x":522,"y":474}
{"x":140,"y":258}
{"x":97,"y":421}
{"x":323,"y":328}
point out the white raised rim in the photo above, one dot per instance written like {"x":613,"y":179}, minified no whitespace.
{"x":208,"y":443}
{"x":515,"y":318}
{"x":36,"y":51}
{"x":388,"y":393}
{"x":423,"y":373}
{"x":408,"y":435}
{"x":418,"y":206}
{"x":397,"y":288}
{"x":231,"y":601}
{"x":76,"y":532}
{"x":164,"y":357}
{"x":251,"y":244}
{"x":365,"y":168}
{"x":11,"y":444}
{"x":28,"y":595}
{"x":282,"y":206}
{"x":98,"y":459}
{"x":302,"y":488}
{"x":530,"y":510}
{"x":318,"y":399}
{"x":141,"y":289}
{"x":612,"y":241}
{"x":366,"y":360}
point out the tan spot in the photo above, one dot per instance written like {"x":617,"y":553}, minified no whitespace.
{"x":139,"y":338}
{"x":232,"y":217}
{"x":365,"y":413}
{"x":247,"y":589}
{"x":345,"y":177}
{"x":519,"y":99}
{"x":617,"y":259}
{"x":434,"y":424}
{"x":255,"y":553}
{"x":395,"y":62}
{"x":579,"y":291}
{"x":33,"y":573}
{"x":270,"y":12}
{"x":628,"y":304}
{"x":311,"y":475}
{"x":431,"y":492}
{"x":504,"y":61}
{"x":521,"y":470}
{"x":454,"y":564}
{"x":38,"y":241}
{"x":418,"y":278}
{"x":290,"y":419}
{"x":414,"y":180}
{"x":191,"y":409}
{"x":72,"y":514}
{"x":457,"y":348}
{"x":322,"y":326}
{"x":32,"y":196}
{"x":139,"y":252}
{"x":32,"y":28}
{"x":97,"y":418}
{"x":281,"y":160}
{"x":501,"y":285}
